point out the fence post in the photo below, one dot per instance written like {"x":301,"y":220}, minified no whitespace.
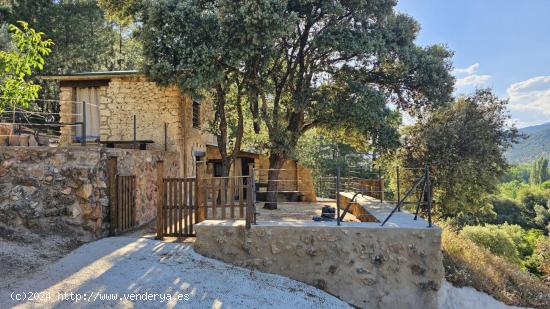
{"x":381,"y":189}
{"x":253,"y":177}
{"x":165,"y":136}
{"x":249,"y":201}
{"x":160,"y":199}
{"x":111,"y":174}
{"x":429,"y":195}
{"x":338,"y":195}
{"x":398,"y":187}
{"x":135,"y":129}
{"x":199,"y":194}
{"x":83,"y":131}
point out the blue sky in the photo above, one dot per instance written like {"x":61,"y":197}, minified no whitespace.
{"x":502,"y":44}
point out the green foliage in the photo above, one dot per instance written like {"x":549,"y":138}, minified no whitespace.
{"x":17,"y":65}
{"x":519,"y":172}
{"x":495,"y":239}
{"x":542,"y":215}
{"x":85,"y":39}
{"x":464,"y":144}
{"x":509,"y":210}
{"x":121,"y":10}
{"x":530,"y":197}
{"x":322,"y":152}
{"x":511,"y":189}
{"x":467,"y":264}
{"x":303,"y":64}
{"x":539,"y":171}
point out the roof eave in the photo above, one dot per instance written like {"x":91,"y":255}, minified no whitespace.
{"x":91,"y":75}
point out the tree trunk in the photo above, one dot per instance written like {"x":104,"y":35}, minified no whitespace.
{"x":276,"y":162}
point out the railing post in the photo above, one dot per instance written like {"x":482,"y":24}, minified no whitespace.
{"x":381,"y":189}
{"x":83,"y":131}
{"x":165,"y":136}
{"x":338,"y":195}
{"x":252,"y":178}
{"x":135,"y":129}
{"x":160,"y":199}
{"x":398,"y":186}
{"x":199,"y":194}
{"x":111,"y":174}
{"x":249,"y":202}
{"x":429,"y":195}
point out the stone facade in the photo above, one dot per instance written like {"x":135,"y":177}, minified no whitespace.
{"x":367,"y":266}
{"x":64,"y":190}
{"x":153,"y":106}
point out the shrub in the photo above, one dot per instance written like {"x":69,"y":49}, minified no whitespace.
{"x":542,"y":253}
{"x":509,"y":210}
{"x":498,"y":241}
{"x":467,"y":264}
{"x":541,"y":216}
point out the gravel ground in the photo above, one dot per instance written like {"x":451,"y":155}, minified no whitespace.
{"x":22,"y":252}
{"x":148,"y":271}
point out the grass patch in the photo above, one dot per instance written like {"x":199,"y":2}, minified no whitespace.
{"x":467,"y":264}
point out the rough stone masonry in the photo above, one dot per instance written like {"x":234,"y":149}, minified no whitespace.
{"x":63,"y":190}
{"x":362,"y":263}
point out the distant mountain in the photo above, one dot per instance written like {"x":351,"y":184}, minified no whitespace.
{"x":536,"y":144}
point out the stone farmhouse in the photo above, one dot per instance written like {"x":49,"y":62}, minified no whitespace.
{"x":164,"y":117}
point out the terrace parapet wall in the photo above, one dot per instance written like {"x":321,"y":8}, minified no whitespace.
{"x":361,"y":263}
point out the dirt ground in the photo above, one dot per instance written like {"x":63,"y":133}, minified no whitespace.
{"x":22,"y":253}
{"x":116,"y":272}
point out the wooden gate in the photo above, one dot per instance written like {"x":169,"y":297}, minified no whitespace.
{"x":183,"y":202}
{"x":179,"y":207}
{"x":123,"y":218}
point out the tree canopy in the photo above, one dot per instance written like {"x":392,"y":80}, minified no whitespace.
{"x":85,"y":39}
{"x":18,"y":64}
{"x":300,"y":64}
{"x":464,"y":145}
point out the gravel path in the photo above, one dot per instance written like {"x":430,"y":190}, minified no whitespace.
{"x":144,"y":273}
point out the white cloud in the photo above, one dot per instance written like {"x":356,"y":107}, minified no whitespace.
{"x":468,"y":70}
{"x":530,"y":101}
{"x":473,"y":79}
{"x":467,"y":77}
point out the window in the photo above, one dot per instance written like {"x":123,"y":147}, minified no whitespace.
{"x":196,"y":115}
{"x":90,"y":95}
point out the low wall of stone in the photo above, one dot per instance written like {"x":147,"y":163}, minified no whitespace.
{"x":64,"y":190}
{"x":361,"y":263}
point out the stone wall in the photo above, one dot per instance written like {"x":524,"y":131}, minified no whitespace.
{"x":54,"y":190}
{"x":361,"y":263}
{"x":63,"y":190}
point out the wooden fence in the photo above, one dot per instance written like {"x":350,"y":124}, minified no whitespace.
{"x":123,"y":200}
{"x":183,"y":202}
{"x":126,"y":203}
{"x":373,"y":187}
{"x":179,"y":211}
